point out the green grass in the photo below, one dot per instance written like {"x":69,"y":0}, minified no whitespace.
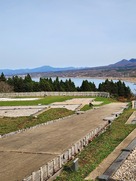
{"x":105,"y":100}
{"x":13,"y":124}
{"x":86,"y":107}
{"x":50,"y":99}
{"x":98,"y":149}
{"x":102,"y":99}
{"x":43,"y":101}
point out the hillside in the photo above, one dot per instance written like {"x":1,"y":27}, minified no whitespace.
{"x":34,"y":70}
{"x":124,"y":63}
{"x":123,"y":68}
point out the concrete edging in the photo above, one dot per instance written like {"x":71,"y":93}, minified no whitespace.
{"x":118,"y":162}
{"x":54,"y":167}
{"x":125,"y":146}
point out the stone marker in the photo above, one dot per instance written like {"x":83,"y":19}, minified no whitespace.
{"x":75,"y":165}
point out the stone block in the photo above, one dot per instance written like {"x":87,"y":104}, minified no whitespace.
{"x":103,"y":178}
{"x":75,"y":165}
{"x":73,"y":150}
{"x":36,"y":176}
{"x":50,"y":168}
{"x":56,"y":164}
{"x":70,"y":153}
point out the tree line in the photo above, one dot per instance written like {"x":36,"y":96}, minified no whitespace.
{"x":26,"y":84}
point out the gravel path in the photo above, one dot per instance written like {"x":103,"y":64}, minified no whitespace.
{"x":127,"y":172}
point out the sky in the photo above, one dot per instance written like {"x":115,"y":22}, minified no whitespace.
{"x":65,"y":33}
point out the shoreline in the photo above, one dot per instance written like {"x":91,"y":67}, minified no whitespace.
{"x":126,"y":79}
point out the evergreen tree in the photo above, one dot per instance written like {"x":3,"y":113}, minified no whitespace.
{"x":28,"y":83}
{"x":10,"y":81}
{"x":44,"y":85}
{"x":47,"y":84}
{"x":62,"y":86}
{"x":121,"y":88}
{"x":117,"y":89}
{"x":69,"y":85}
{"x":28,"y":78}
{"x":51,"y":83}
{"x":128,"y":93}
{"x":2,"y":77}
{"x":87,"y":86}
{"x":92,"y":86}
{"x":36,"y":87}
{"x":18,"y":84}
{"x":56,"y":84}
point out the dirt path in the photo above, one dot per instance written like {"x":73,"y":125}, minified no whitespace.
{"x":24,"y":153}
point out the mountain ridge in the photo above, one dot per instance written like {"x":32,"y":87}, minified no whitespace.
{"x":35,"y":70}
{"x":124,"y":63}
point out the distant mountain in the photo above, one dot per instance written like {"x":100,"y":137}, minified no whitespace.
{"x":123,"y":68}
{"x":124,"y":63}
{"x":109,"y":70}
{"x":35,"y":70}
{"x":133,"y":60}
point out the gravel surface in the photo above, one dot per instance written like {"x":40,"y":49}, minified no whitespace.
{"x":83,"y":101}
{"x":75,"y":103}
{"x":19,"y":111}
{"x":127,"y":172}
{"x":72,"y":107}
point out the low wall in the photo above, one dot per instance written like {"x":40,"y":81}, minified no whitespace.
{"x":43,"y":94}
{"x":48,"y":170}
{"x":134,"y":104}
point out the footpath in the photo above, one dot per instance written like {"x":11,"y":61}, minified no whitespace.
{"x":23,"y":153}
{"x":105,"y":164}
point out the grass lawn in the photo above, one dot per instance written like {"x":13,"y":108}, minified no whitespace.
{"x":101,"y":99}
{"x":98,"y":149}
{"x":86,"y":107}
{"x":105,"y":100}
{"x":50,"y":99}
{"x":13,"y":124}
{"x":43,"y":101}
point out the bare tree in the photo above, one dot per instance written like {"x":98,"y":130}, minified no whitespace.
{"x":4,"y":87}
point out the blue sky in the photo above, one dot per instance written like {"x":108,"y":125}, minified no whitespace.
{"x":60,"y":33}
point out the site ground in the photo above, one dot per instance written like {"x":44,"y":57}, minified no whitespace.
{"x":24,"y":153}
{"x":99,"y":149}
{"x":19,"y":111}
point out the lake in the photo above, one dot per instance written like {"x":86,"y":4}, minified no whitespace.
{"x":78,"y":81}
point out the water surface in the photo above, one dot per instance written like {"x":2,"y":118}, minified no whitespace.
{"x":78,"y":81}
